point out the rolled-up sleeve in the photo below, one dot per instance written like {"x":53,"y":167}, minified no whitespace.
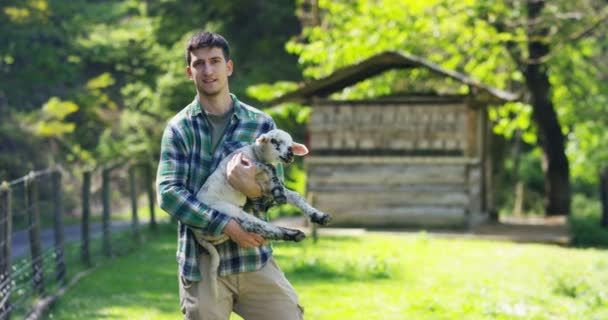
{"x":173,"y":195}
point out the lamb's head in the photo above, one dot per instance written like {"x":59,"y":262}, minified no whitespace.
{"x":278,"y":146}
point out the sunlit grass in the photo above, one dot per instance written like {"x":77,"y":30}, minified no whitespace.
{"x":374,"y":277}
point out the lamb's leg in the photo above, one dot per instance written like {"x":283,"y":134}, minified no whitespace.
{"x":315,"y":215}
{"x":259,"y":226}
{"x":271,"y":232}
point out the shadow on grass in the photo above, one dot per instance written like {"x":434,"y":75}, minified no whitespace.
{"x":316,"y":269}
{"x":322,"y":240}
{"x":310,"y":262}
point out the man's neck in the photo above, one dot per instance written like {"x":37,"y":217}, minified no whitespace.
{"x":218,"y":104}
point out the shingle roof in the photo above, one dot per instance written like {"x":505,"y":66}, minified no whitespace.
{"x":375,"y":65}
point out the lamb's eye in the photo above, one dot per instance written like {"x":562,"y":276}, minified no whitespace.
{"x":273,"y":141}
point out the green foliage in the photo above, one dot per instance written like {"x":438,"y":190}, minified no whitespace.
{"x":266,"y":92}
{"x":530,"y":171}
{"x":54,"y":112}
{"x":59,"y":109}
{"x":121,"y":63}
{"x":102,"y":81}
{"x":585,"y":223}
{"x":20,"y":151}
{"x":513,"y":116}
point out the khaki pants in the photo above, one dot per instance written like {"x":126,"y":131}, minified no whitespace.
{"x":260,"y":295}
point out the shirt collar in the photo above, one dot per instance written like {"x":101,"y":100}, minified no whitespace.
{"x":239,"y":112}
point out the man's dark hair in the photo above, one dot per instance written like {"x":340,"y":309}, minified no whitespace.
{"x":206,"y":39}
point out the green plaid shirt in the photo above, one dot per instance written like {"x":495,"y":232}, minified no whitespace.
{"x":185,"y":164}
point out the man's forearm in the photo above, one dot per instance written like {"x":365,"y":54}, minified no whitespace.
{"x":183,"y":205}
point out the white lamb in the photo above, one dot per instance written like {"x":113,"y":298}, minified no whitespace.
{"x":270,"y":148}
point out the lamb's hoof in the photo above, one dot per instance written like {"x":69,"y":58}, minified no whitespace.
{"x":295,"y":235}
{"x":280,"y":199}
{"x":321,"y":219}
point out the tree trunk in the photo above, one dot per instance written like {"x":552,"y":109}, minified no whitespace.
{"x":550,"y":137}
{"x":604,"y":196}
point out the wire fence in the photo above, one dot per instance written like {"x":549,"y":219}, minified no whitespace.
{"x":55,"y":223}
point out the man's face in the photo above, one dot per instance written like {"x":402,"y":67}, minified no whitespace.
{"x":209,"y":71}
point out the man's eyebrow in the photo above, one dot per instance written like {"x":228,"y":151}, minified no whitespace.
{"x":196,"y":59}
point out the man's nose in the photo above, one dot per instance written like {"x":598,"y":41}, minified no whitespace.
{"x":207,"y":68}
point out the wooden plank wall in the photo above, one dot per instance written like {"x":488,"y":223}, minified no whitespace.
{"x":395,"y":191}
{"x":390,"y":129}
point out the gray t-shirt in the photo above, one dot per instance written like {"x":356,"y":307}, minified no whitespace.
{"x":218,"y":124}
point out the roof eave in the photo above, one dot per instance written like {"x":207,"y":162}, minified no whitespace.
{"x":378,"y":64}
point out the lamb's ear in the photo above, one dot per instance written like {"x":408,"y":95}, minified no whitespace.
{"x":299,"y":149}
{"x":262,"y":139}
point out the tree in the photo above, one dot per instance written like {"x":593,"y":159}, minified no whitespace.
{"x":121,"y":64}
{"x":522,"y":45}
{"x":547,"y":29}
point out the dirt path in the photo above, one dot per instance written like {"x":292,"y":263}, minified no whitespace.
{"x":542,"y":230}
{"x":552,"y":230}
{"x":21,"y":242}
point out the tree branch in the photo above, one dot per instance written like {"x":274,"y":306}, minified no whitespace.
{"x":602,"y":18}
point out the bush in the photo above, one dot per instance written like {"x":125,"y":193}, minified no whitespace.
{"x":585,"y":225}
{"x":531,"y":175}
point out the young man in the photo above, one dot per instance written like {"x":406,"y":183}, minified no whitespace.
{"x":195,"y":140}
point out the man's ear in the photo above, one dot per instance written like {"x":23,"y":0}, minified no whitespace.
{"x":299,"y":149}
{"x":189,"y":72}
{"x":229,"y":67}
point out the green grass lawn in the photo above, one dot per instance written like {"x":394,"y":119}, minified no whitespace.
{"x":373,"y":276}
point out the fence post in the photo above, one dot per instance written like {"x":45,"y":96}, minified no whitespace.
{"x":604,"y":196}
{"x":105,"y":223}
{"x":33,"y":213}
{"x":5,"y":250}
{"x":134,"y":218}
{"x":150,"y":191}
{"x":86,"y":213}
{"x":60,"y":267}
{"x":314,"y":227}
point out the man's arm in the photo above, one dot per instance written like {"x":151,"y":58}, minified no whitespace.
{"x":174,"y":197}
{"x":243,"y":238}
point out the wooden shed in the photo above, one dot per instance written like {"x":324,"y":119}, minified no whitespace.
{"x":410,"y":161}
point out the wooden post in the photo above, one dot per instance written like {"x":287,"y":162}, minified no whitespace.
{"x":134,"y":218}
{"x":482,"y":153}
{"x":6,"y":217}
{"x":85,"y":253}
{"x":518,"y":204}
{"x":604,"y":196}
{"x":60,"y":267}
{"x":33,"y":214}
{"x":150,"y":191}
{"x":105,"y":222}
{"x":314,"y":227}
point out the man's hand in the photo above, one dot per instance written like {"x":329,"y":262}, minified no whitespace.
{"x":243,"y":238}
{"x":240,"y":173}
